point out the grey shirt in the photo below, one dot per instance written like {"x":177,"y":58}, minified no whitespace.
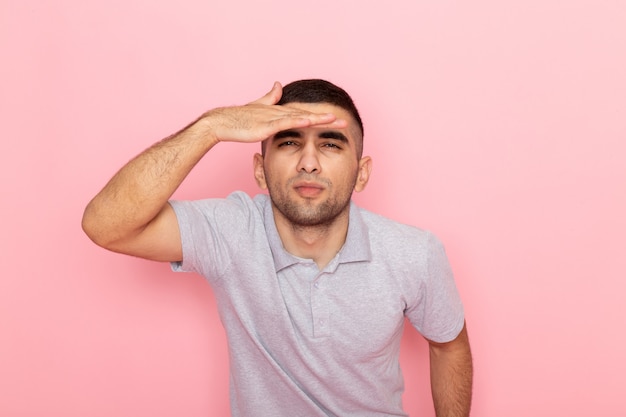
{"x":305,"y":342}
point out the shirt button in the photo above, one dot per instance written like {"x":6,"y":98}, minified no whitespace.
{"x":316,"y":285}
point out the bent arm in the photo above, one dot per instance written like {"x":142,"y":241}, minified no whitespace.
{"x":451,"y":373}
{"x":131,"y":214}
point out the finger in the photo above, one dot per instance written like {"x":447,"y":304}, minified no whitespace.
{"x":331,"y":123}
{"x":328,"y":122}
{"x":322,"y":120}
{"x":272,"y":96}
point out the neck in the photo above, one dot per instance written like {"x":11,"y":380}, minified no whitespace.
{"x":319,"y":243}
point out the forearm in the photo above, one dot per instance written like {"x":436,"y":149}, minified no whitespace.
{"x":137,"y":192}
{"x":451,"y":373}
{"x":135,"y":199}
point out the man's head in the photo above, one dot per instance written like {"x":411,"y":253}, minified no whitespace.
{"x":311,"y":172}
{"x":321,"y":91}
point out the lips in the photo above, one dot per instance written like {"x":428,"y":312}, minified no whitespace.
{"x":308,"y":188}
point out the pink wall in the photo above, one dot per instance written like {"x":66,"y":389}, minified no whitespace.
{"x":499,"y":125}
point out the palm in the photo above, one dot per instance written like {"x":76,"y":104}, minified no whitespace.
{"x":262,"y":118}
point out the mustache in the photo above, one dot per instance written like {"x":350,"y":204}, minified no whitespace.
{"x":313,"y":178}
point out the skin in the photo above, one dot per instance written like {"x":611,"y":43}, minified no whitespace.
{"x":451,"y":375}
{"x":311,"y":174}
{"x":310,"y":168}
{"x":131,"y":214}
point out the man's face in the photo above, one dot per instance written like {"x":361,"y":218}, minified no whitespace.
{"x":310,"y":173}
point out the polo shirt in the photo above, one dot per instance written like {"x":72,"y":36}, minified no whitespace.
{"x":309,"y":342}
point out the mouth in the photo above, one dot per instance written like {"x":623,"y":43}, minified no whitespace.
{"x":308,"y":189}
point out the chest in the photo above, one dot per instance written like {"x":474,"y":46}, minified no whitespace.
{"x":351,"y":309}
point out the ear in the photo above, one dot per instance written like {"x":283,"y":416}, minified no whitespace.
{"x":365,"y":168}
{"x":259,"y":172}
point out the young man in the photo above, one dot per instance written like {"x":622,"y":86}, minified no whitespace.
{"x":312,"y":290}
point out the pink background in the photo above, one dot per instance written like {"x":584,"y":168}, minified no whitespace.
{"x":500,"y":126}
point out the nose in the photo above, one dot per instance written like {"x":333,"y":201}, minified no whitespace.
{"x":309,"y":160}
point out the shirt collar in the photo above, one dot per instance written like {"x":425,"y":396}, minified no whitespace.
{"x":355,"y":249}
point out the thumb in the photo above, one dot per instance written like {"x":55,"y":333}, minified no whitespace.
{"x":272,"y":96}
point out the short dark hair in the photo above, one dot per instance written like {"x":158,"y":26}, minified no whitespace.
{"x":322,"y":91}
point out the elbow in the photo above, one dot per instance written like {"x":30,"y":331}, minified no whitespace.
{"x":94,"y":228}
{"x":109,"y":230}
{"x":89,"y":226}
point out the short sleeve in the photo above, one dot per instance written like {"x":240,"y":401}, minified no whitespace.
{"x":437,"y":312}
{"x":211,"y":231}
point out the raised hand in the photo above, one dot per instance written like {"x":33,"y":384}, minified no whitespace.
{"x":261,"y":119}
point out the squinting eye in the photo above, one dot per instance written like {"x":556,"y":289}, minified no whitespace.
{"x":331,"y":145}
{"x":286,"y":143}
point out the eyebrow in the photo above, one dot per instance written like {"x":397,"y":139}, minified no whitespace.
{"x":334,"y":134}
{"x":289,"y":133}
{"x":326,"y":134}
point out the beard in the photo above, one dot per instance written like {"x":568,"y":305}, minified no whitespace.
{"x":305,"y":213}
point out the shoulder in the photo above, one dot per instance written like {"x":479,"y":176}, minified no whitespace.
{"x":214,"y":232}
{"x":236,"y":203}
{"x":236,"y":212}
{"x":391,"y":233}
{"x":402,"y":249}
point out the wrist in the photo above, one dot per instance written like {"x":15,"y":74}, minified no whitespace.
{"x":203,"y":129}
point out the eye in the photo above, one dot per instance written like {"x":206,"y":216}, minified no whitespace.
{"x":287,"y":143}
{"x":331,"y":145}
